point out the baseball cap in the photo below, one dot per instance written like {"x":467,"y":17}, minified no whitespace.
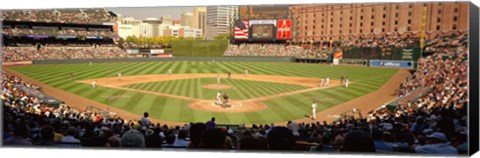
{"x":132,"y":138}
{"x":439,"y":136}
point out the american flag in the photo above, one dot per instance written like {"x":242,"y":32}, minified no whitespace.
{"x":241,"y":29}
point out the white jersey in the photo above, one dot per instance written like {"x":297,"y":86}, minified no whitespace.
{"x":246,"y":72}
{"x":94,"y":83}
{"x":169,"y":71}
{"x":314,"y":106}
{"x":119,"y":76}
{"x":346,"y":82}
{"x":327,"y":81}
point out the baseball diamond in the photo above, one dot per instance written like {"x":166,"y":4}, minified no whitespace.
{"x":282,"y":91}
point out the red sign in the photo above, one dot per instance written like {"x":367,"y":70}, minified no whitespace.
{"x":284,"y":27}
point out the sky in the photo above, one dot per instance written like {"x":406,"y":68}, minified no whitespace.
{"x":141,"y":13}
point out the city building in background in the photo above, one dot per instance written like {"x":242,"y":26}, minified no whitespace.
{"x":187,"y":19}
{"x":153,"y":27}
{"x":166,"y":20}
{"x":327,"y":22}
{"x":219,"y":20}
{"x":199,"y":18}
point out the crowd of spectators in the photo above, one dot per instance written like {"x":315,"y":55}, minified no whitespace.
{"x":78,"y":16}
{"x":62,"y":52}
{"x":277,"y":50}
{"x":56,"y":32}
{"x":393,"y":39}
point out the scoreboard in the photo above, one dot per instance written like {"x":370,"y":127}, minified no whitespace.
{"x":263,"y":30}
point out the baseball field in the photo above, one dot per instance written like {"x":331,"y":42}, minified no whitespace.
{"x":270,"y":93}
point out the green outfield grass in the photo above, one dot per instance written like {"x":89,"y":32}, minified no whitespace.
{"x":364,"y":80}
{"x":241,"y":89}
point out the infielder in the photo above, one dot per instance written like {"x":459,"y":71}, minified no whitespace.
{"x":219,"y":98}
{"x":119,"y":76}
{"x":246,"y":72}
{"x":90,"y":64}
{"x":169,"y":72}
{"x":322,"y":81}
{"x":94,"y":84}
{"x":346,"y":82}
{"x":327,"y":81}
{"x":314,"y":109}
{"x":218,"y":79}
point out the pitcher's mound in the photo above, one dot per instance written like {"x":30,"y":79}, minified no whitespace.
{"x":235,"y":106}
{"x":216,"y":86}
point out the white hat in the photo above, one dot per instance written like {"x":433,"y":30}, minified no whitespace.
{"x":439,"y":136}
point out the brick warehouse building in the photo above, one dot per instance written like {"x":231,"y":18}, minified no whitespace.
{"x":333,"y":22}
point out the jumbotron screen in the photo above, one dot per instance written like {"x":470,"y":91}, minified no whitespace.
{"x":262,"y":31}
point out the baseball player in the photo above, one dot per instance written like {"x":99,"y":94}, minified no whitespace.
{"x":327,"y":81}
{"x":119,"y":76}
{"x":314,"y":110}
{"x":71,"y":76}
{"x":218,"y":79}
{"x":322,"y":81}
{"x":169,"y":72}
{"x":225,"y":100}
{"x":219,"y":98}
{"x":94,"y":84}
{"x":342,"y":80}
{"x":90,"y":64}
{"x":229,"y":75}
{"x":346,"y":82}
{"x":246,"y":72}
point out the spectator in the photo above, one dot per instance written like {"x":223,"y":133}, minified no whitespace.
{"x":437,"y":145}
{"x":132,"y":139}
{"x":145,"y":122}
{"x":20,"y":135}
{"x":47,"y":135}
{"x":250,"y":143}
{"x":196,"y":131}
{"x":213,"y":138}
{"x":170,"y":140}
{"x":280,"y":138}
{"x":113,"y":139}
{"x":70,"y":139}
{"x":152,"y":139}
{"x":358,"y":141}
{"x":379,"y":141}
{"x":181,"y":139}
{"x":211,"y":123}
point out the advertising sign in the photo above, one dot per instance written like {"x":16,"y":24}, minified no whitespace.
{"x":37,"y":36}
{"x":94,"y":37}
{"x":66,"y":36}
{"x":338,"y":54}
{"x":156,"y":51}
{"x":16,"y":63}
{"x":391,"y":63}
{"x":284,"y":27}
{"x":261,"y":22}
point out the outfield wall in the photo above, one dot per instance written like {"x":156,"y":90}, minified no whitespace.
{"x":80,"y":61}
